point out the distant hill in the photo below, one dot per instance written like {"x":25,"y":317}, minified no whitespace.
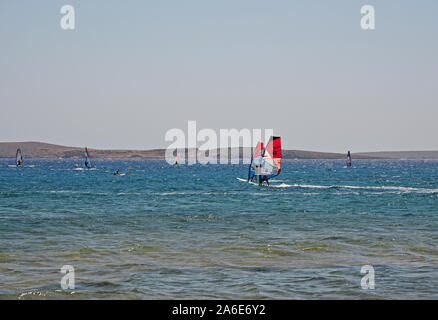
{"x":53,"y":151}
{"x":401,"y":154}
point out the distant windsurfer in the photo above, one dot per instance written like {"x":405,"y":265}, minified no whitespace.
{"x":87,"y":159}
{"x":19,"y":158}
{"x":116,"y":173}
{"x":348,"y":159}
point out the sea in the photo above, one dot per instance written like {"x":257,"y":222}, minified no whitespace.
{"x":319,"y":231}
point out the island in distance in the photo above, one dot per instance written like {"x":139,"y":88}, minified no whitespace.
{"x":53,"y":151}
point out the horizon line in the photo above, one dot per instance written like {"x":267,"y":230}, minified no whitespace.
{"x":163,"y":148}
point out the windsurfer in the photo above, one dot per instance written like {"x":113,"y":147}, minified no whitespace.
{"x":19,"y":158}
{"x":265,"y":162}
{"x":116,"y":173}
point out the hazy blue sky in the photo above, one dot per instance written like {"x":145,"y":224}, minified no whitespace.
{"x":134,"y":69}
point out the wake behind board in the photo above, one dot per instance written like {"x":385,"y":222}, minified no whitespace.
{"x":281,"y":185}
{"x":245,"y":180}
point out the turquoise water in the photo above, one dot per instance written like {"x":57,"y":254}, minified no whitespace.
{"x":198,"y":232}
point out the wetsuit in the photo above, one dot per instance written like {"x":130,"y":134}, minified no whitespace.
{"x":261,"y":180}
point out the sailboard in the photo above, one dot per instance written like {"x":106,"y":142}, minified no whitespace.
{"x":265,"y":162}
{"x":18,"y":158}
{"x":87,"y":159}
{"x":348,"y":159}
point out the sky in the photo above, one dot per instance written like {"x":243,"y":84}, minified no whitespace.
{"x":132,"y":70}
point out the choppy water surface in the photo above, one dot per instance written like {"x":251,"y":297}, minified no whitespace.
{"x":198,"y":232}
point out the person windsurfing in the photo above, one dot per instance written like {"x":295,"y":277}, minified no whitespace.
{"x":116,"y":173}
{"x":19,"y":158}
{"x":348,"y":159}
{"x":87,"y":159}
{"x":265,"y":162}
